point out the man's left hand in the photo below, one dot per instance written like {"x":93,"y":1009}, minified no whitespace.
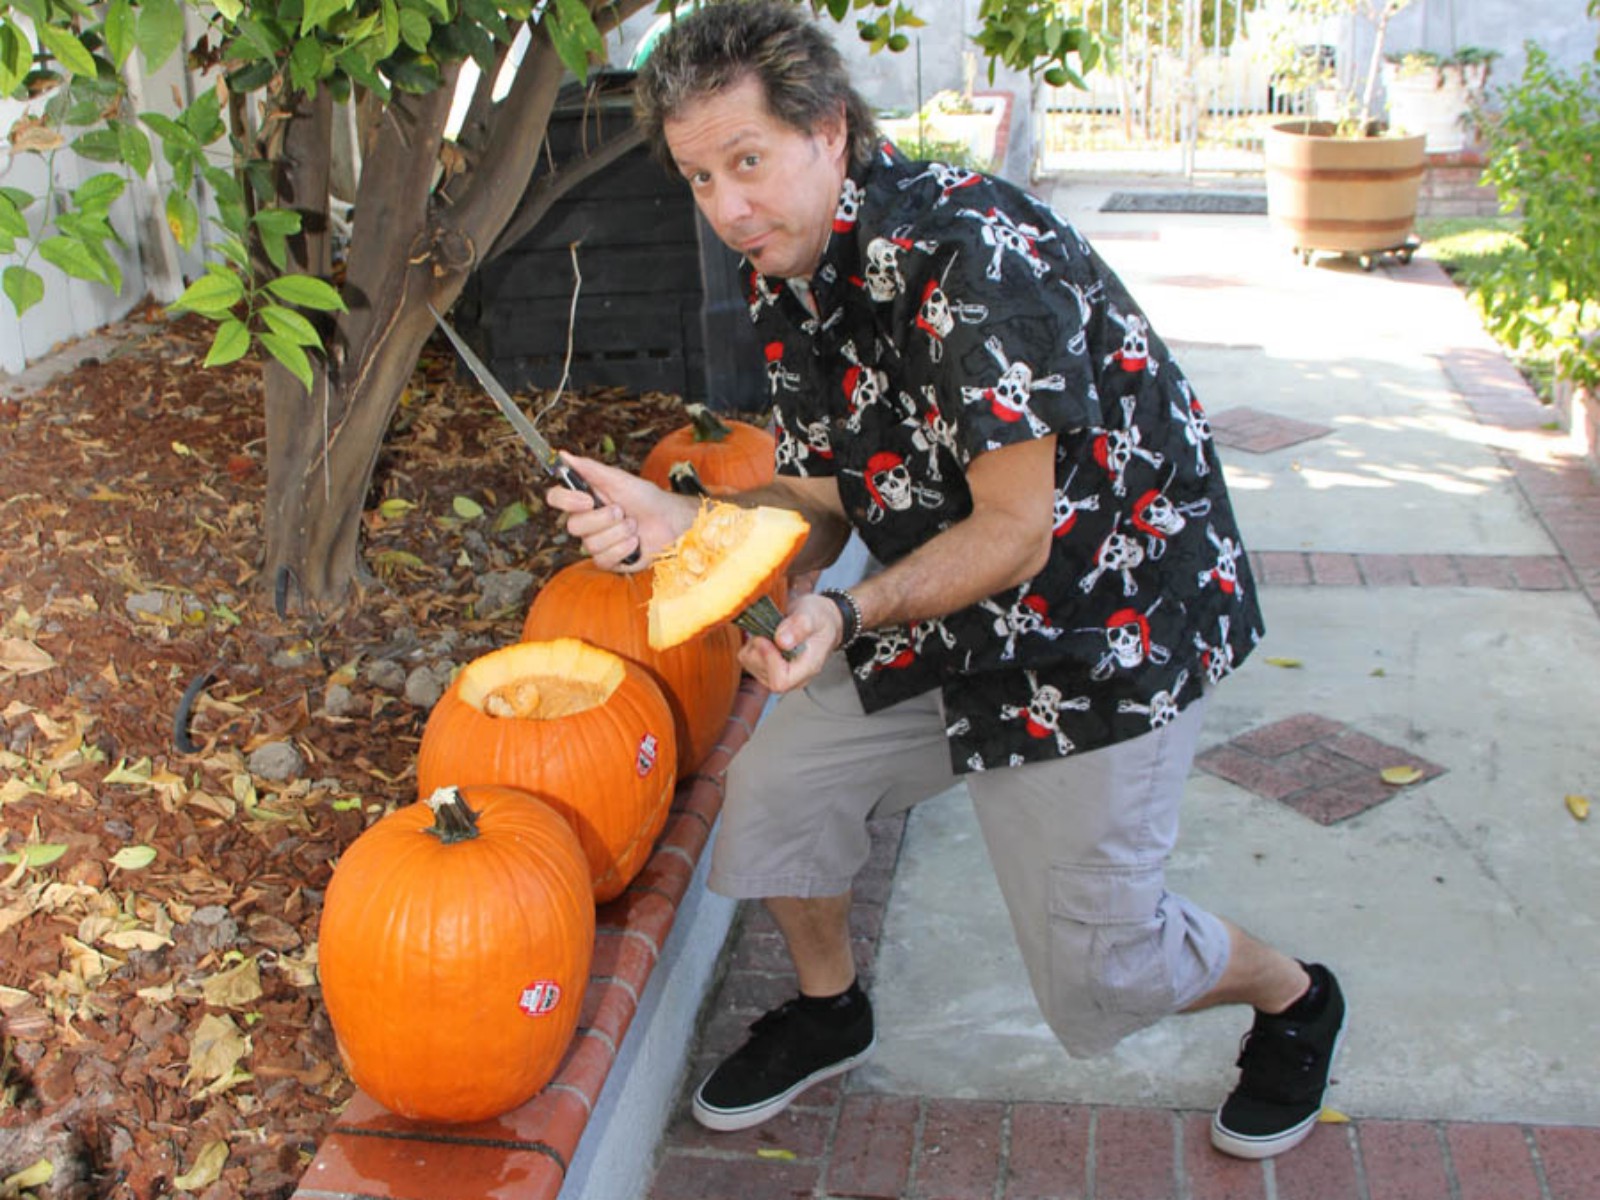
{"x":812,"y":631}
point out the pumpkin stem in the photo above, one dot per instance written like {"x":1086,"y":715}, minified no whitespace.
{"x":685,"y":480}
{"x":453,"y":820}
{"x":708,"y":427}
{"x":762,"y":619}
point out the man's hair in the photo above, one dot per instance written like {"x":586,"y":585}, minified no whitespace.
{"x":778,"y":43}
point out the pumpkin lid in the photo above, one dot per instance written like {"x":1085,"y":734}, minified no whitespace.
{"x":722,"y":564}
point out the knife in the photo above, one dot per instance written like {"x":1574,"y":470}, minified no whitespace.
{"x":542,"y":450}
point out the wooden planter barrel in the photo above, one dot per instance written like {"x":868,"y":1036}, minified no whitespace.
{"x":1349,"y":195}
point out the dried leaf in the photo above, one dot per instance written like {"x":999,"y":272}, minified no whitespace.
{"x":1400,"y":776}
{"x":125,"y":772}
{"x":215,"y":1050}
{"x":133,"y":858}
{"x":1332,"y":1116}
{"x":23,"y":657}
{"x":1578,"y":806}
{"x":1287,"y":663}
{"x":238,"y":987}
{"x":775,"y":1152}
{"x":207,"y":1168}
{"x":39,"y":1173}
{"x":136,"y":939}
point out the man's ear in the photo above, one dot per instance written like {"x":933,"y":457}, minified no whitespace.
{"x":834,"y":131}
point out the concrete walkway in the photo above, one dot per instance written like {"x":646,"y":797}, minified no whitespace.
{"x":1428,"y":549}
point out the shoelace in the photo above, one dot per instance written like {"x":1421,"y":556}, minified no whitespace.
{"x":1276,"y":1064}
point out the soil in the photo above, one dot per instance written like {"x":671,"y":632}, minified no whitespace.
{"x":162,"y":865}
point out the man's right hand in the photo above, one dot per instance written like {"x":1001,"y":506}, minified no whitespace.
{"x":634,"y":515}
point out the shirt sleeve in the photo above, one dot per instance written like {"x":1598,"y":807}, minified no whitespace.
{"x":1003,"y":315}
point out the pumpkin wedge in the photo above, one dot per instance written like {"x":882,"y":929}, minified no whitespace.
{"x":725,"y":563}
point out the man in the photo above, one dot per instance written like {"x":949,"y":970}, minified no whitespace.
{"x":958,"y":378}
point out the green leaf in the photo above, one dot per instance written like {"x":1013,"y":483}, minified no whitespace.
{"x":307,"y":292}
{"x":290,"y":355}
{"x":415,"y":29}
{"x":183,"y":218}
{"x":279,"y":220}
{"x":12,"y":221}
{"x":97,"y":193}
{"x":512,"y":515}
{"x":574,"y":35}
{"x":466,"y":508}
{"x":309,"y":62}
{"x":231,"y":343}
{"x":160,"y":30}
{"x":290,"y":324}
{"x":16,"y":57}
{"x":68,"y":50}
{"x":73,"y":257}
{"x":318,"y":12}
{"x":25,"y":288}
{"x":230,"y":8}
{"x":212,"y":295}
{"x":36,"y":854}
{"x":134,"y":147}
{"x":133,"y":858}
{"x":119,"y":30}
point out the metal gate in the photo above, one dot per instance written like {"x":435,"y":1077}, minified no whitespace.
{"x":1189,"y":87}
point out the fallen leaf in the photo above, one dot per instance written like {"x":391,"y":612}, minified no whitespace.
{"x":466,"y":508}
{"x":207,"y":1168}
{"x":133,"y":858}
{"x":24,"y":657}
{"x":36,"y":854}
{"x":779,"y":1154}
{"x":126,"y":772}
{"x":136,"y":939}
{"x":1578,"y":806}
{"x":1287,"y":663}
{"x":40,"y":1173}
{"x":1332,"y":1116}
{"x":237,"y":987}
{"x":215,"y":1050}
{"x":1400,"y":776}
{"x":395,"y":507}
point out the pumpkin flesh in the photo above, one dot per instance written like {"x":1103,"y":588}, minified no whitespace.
{"x":726,"y":561}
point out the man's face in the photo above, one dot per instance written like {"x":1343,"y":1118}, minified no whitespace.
{"x":768,"y":189}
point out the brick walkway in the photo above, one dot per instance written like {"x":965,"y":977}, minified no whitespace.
{"x":839,"y":1144}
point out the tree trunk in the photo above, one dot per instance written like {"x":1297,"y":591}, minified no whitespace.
{"x":411,"y":247}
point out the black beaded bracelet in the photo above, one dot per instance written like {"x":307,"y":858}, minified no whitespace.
{"x":849,"y":610}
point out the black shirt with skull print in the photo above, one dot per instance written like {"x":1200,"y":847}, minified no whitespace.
{"x":957,"y":314}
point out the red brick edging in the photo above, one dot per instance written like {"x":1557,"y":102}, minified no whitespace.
{"x":372,"y":1153}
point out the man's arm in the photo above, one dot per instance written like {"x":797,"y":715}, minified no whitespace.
{"x":1004,"y":541}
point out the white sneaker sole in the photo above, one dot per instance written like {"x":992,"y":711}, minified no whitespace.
{"x":1241,"y":1145}
{"x":727,"y":1120}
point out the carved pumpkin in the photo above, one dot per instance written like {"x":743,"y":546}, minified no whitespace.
{"x":582,"y":728}
{"x":700,"y":677}
{"x":454,"y":950}
{"x":723,"y":569}
{"x":728,"y":456}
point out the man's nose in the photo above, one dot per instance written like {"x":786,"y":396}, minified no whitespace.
{"x":729,"y":205}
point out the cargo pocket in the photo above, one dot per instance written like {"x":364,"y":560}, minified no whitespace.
{"x":1113,"y":920}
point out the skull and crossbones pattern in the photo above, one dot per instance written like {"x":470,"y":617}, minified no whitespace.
{"x":1027,"y":616}
{"x":1042,"y":715}
{"x":1157,"y":517}
{"x":1004,"y":234}
{"x":1196,"y":426}
{"x":938,"y":314}
{"x":793,"y":450}
{"x":1216,"y":660}
{"x":1010,"y":396}
{"x":1163,"y":706}
{"x":1116,"y":449}
{"x":1128,"y":644}
{"x":849,"y":209}
{"x":1133,"y":355}
{"x":949,"y":178}
{"x":1119,"y":554}
{"x":891,"y":651}
{"x":892,"y":489}
{"x":1224,"y":570}
{"x":1064,"y":509}
{"x":779,"y":376}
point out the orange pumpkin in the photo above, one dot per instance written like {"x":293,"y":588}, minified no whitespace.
{"x":453,"y":953}
{"x":700,"y":678}
{"x":728,"y":456}
{"x":583,"y":728}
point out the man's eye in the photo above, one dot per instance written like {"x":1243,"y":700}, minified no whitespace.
{"x":750,"y":160}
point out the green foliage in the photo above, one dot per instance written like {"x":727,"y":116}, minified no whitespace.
{"x":1544,"y":158}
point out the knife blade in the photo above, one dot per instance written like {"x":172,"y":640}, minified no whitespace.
{"x":526,"y":430}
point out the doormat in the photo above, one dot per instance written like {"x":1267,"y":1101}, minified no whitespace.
{"x":1244,"y":203}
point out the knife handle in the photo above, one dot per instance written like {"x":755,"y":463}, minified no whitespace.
{"x":578,"y":483}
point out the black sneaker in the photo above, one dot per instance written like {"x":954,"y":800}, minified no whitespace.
{"x":788,"y":1050}
{"x":1284,"y":1064}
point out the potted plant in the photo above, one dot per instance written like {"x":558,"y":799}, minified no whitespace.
{"x":1346,"y":185}
{"x":1436,"y":94}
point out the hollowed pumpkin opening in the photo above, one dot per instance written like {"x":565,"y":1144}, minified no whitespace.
{"x":722,"y":564}
{"x":541,"y":681}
